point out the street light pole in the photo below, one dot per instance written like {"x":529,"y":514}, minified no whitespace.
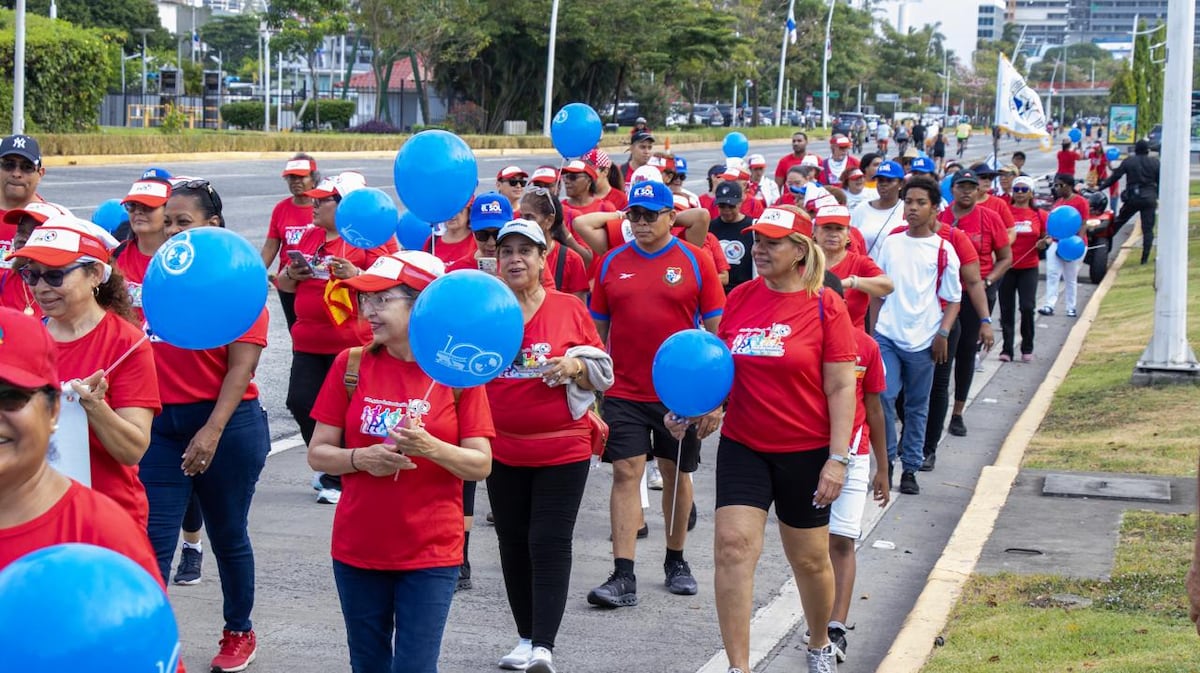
{"x":143,"y":32}
{"x":18,"y":108}
{"x":546,"y":112}
{"x":825,"y":67}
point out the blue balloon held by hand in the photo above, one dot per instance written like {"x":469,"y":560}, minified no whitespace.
{"x":1112,"y":154}
{"x":1074,"y":135}
{"x":436,"y":175}
{"x":735,"y":145}
{"x":1063,"y":222}
{"x":692,"y":373}
{"x":465,"y":328}
{"x":1071,"y":248}
{"x":366,"y":218}
{"x":204,"y":288}
{"x":412,"y":231}
{"x":110,"y":215}
{"x":77,"y":607}
{"x":575,"y":130}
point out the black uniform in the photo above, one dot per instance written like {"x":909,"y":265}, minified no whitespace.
{"x":1141,"y":192}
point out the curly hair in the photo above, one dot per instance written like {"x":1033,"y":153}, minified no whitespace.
{"x":113,"y":296}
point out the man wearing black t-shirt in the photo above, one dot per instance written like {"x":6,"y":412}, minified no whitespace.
{"x":728,"y":230}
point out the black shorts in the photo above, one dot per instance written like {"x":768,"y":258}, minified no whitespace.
{"x":757,"y":478}
{"x":637,"y":429}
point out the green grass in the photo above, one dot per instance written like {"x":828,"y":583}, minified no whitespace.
{"x":1194,"y":190}
{"x":1137,"y":623}
{"x":1098,"y":420}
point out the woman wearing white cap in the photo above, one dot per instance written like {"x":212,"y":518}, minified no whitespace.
{"x":540,"y":458}
{"x":290,"y":218}
{"x":88,"y":315}
{"x":403,"y":446}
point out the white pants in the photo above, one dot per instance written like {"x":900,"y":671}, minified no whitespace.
{"x":846,"y":513}
{"x":1056,"y":268}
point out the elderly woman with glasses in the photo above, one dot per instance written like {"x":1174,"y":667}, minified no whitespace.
{"x":113,"y":388}
{"x":403,"y":446}
{"x":1021,"y":279}
{"x":579,"y":180}
{"x":13,"y":292}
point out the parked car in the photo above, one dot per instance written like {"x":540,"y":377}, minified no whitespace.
{"x":845,"y":121}
{"x":726,"y":110}
{"x":794,"y":117}
{"x":1155,"y":138}
{"x":707,"y":114}
{"x":627,"y":113}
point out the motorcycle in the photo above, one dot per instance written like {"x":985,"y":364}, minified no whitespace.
{"x":1101,"y":228}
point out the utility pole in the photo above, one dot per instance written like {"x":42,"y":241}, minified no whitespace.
{"x":546,"y":111}
{"x":825,"y":66}
{"x":18,"y":108}
{"x":143,"y":32}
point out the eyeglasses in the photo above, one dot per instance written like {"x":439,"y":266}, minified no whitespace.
{"x":483,"y":235}
{"x":53,"y":277}
{"x":135,"y":207}
{"x":1020,"y":190}
{"x":14,"y":399}
{"x":377,"y":301}
{"x":11,"y":165}
{"x":636,"y":215}
{"x":516,"y":182}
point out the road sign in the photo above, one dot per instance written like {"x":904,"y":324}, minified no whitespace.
{"x":832,"y":94}
{"x":887,"y":98}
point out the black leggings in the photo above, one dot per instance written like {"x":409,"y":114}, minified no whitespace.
{"x":535,"y":510}
{"x":968,"y":344}
{"x":308,"y":375}
{"x":1148,"y":209}
{"x":1022,"y":283}
{"x":939,"y":394}
{"x":287,"y":301}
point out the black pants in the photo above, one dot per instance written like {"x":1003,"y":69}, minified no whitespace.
{"x":939,"y":394}
{"x":308,"y":375}
{"x":1148,"y":209}
{"x":287,"y":300}
{"x":1016,"y":283}
{"x":968,"y":343}
{"x":535,"y":510}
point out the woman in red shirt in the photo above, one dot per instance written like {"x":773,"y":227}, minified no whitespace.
{"x":211,"y":442}
{"x":88,"y":315}
{"x":565,"y":268}
{"x":403,"y":445}
{"x":13,"y":292}
{"x":146,"y":203}
{"x":455,"y":246}
{"x":289,"y":219}
{"x":861,"y":278}
{"x":541,"y":456}
{"x":791,"y":340}
{"x":1022,"y":277}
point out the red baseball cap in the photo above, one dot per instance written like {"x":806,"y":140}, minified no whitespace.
{"x":578,"y":166}
{"x":414,"y":268}
{"x":735,"y":173}
{"x":64,"y":239}
{"x":28,"y":354}
{"x":340,"y":184}
{"x":841,"y":141}
{"x":300,"y":167}
{"x":38,"y":210}
{"x":839,"y":215}
{"x":855,"y":174}
{"x":510,"y":172}
{"x":544,"y":175}
{"x":779,"y":223}
{"x":150,"y":193}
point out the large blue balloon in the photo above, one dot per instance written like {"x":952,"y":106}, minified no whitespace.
{"x":435,"y":174}
{"x":1112,"y":154}
{"x":412,"y":231}
{"x":735,"y":145}
{"x":1071,"y":248}
{"x":366,"y":218}
{"x":1075,"y":135}
{"x":110,"y":215}
{"x":466,"y":327}
{"x":204,"y":288}
{"x":944,"y":187}
{"x":77,"y":607}
{"x":692,"y":373}
{"x":575,"y":130}
{"x":1064,"y":222}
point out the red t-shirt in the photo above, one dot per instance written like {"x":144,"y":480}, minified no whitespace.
{"x":314,"y":330}
{"x":869,"y":378}
{"x":1097,"y":161}
{"x":451,"y":252}
{"x":1000,"y":207}
{"x":618,"y":198}
{"x":1066,"y":161}
{"x":133,"y":384}
{"x":750,"y":207}
{"x":575,"y":275}
{"x":597,"y":205}
{"x":133,"y":264}
{"x":15,"y":294}
{"x":288,"y":224}
{"x":857,"y":301}
{"x":1031,"y":228}
{"x":186,"y":376}
{"x":85,"y":516}
{"x":647,"y":298}
{"x":7,"y":233}
{"x":522,"y":404}
{"x":786,"y":162}
{"x":780,"y":342}
{"x":985,"y":231}
{"x":1080,"y":204}
{"x":413,"y":520}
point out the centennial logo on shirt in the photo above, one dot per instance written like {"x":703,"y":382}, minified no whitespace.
{"x":761,"y":341}
{"x":135,"y":293}
{"x":293,"y":234}
{"x":379,"y":416}
{"x":673,"y":275}
{"x":530,"y":363}
{"x":1024,"y":227}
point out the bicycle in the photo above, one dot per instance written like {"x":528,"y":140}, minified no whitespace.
{"x":962,"y":146}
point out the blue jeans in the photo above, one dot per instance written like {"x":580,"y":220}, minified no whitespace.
{"x":408,"y":605}
{"x":225,"y":491}
{"x":912,"y":373}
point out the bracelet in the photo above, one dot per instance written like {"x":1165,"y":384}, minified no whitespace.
{"x":985,"y":321}
{"x":352,"y":465}
{"x":853,"y":281}
{"x":944,"y":333}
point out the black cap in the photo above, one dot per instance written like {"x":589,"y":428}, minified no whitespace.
{"x":640,"y":136}
{"x":22,"y":146}
{"x":1141,"y":147}
{"x":966,"y":176}
{"x":983,"y":170}
{"x":728,"y":194}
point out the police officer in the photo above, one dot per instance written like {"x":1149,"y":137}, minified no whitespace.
{"x":1141,"y":191}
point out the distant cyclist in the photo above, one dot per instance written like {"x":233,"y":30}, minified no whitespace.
{"x":963,"y":133}
{"x":883,"y":131}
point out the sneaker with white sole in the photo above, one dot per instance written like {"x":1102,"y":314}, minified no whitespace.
{"x":518,"y":659}
{"x":823,"y":660}
{"x":188,"y":572}
{"x":837,"y":637}
{"x":653,"y":477}
{"x":329,"y":496}
{"x":237,"y":651}
{"x":542,"y":661}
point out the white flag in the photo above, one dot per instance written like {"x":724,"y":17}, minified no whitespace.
{"x":791,"y":26}
{"x":1018,"y":107}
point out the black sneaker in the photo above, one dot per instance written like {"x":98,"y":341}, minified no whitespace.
{"x":929,"y":463}
{"x":643,"y":532}
{"x":464,"y":577}
{"x":691,"y":519}
{"x":188,"y":572}
{"x":838,"y":638}
{"x":957,"y":427}
{"x":908,"y":483}
{"x":891,"y":473}
{"x":619,"y":591}
{"x":679,"y":578}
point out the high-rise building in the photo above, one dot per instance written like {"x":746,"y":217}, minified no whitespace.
{"x":1044,"y":22}
{"x":1112,"y":20}
{"x":991,"y":19}
{"x":962,"y":26}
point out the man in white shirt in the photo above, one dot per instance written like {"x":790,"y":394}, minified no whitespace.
{"x":768,"y":191}
{"x":914,"y":322}
{"x":876,"y":219}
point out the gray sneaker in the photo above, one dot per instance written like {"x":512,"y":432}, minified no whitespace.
{"x":823,"y":660}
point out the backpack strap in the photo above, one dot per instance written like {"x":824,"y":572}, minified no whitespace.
{"x":353,"y":362}
{"x":560,"y":266}
{"x":943,"y":260}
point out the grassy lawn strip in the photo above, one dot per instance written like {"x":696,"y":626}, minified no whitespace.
{"x":1098,"y":420}
{"x":1137,"y":622}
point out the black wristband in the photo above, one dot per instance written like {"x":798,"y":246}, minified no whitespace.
{"x":352,"y":465}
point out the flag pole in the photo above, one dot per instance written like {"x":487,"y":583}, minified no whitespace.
{"x":996,"y":113}
{"x":788,"y":27}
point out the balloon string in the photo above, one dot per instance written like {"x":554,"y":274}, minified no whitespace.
{"x":428,"y":392}
{"x":126,"y":354}
{"x":675,"y":490}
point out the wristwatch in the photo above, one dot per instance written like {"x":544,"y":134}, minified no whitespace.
{"x":944,"y":333}
{"x":839,"y":458}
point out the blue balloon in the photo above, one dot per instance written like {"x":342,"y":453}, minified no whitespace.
{"x":435,"y":174}
{"x":204,"y":288}
{"x":465,"y":328}
{"x":1075,"y":135}
{"x":1112,"y":154}
{"x":576,"y":129}
{"x":110,"y":215}
{"x":412,"y":232}
{"x":692,"y":373}
{"x":78,"y":607}
{"x":735,"y":145}
{"x":944,"y":187}
{"x":1071,"y":248}
{"x":1063,"y":222}
{"x":366,"y":218}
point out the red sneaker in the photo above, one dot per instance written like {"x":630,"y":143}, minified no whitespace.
{"x":237,"y":651}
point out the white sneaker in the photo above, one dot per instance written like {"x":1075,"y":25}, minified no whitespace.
{"x":518,"y":659}
{"x":823,"y":660}
{"x":541,"y":661}
{"x":329,"y":496}
{"x":978,"y":362}
{"x":316,"y":481}
{"x":653,"y":477}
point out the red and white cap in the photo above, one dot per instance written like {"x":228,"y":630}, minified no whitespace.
{"x":735,"y":173}
{"x":28,"y":354}
{"x":838,"y":214}
{"x":643,"y":173}
{"x":841,"y":141}
{"x":38,"y":210}
{"x":340,"y":184}
{"x":598,"y":158}
{"x":414,"y":268}
{"x":662,"y":163}
{"x":544,"y":175}
{"x":756,"y":161}
{"x":810,"y":160}
{"x":510,"y":172}
{"x":299,"y":167}
{"x":855,"y":174}
{"x":66,"y":239}
{"x":577,"y":166}
{"x":779,"y":223}
{"x":149,"y":193}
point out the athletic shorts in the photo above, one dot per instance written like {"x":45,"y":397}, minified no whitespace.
{"x":637,"y":429}
{"x":846,"y":513}
{"x":758,"y":478}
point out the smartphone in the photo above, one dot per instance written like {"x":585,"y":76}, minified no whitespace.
{"x":489,"y":265}
{"x":299,"y":260}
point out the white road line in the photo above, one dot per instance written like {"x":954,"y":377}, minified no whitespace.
{"x":284,"y":443}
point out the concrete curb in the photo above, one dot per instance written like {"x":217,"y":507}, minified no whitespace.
{"x":915,"y":642}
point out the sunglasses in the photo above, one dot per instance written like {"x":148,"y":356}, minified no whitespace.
{"x":203,"y":186}
{"x":636,"y":215}
{"x":574,"y":176}
{"x":516,"y":182}
{"x":1020,"y":190}
{"x":14,"y":399}
{"x":53,"y":277}
{"x":11,"y":165}
{"x":135,"y":207}
{"x":483,"y":235}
